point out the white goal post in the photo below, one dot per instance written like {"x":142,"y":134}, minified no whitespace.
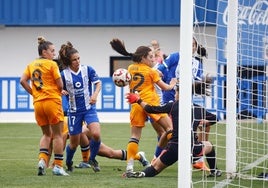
{"x":235,"y":34}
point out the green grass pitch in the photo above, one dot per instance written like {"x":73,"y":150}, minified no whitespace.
{"x":19,"y":144}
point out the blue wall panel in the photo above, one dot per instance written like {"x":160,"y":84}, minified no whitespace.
{"x":96,"y":12}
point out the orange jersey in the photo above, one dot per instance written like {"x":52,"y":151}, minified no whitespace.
{"x":43,"y":74}
{"x":143,"y":80}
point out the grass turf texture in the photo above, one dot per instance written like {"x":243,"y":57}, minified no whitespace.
{"x":19,"y":145}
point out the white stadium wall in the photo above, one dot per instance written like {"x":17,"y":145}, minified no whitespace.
{"x":19,"y":46}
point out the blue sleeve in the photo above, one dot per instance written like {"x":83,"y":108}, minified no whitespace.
{"x":168,"y":66}
{"x":162,"y":68}
{"x":92,"y":75}
{"x":65,"y":104}
{"x":172,"y":60}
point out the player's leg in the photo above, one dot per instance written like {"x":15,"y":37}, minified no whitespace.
{"x":49,"y":155}
{"x":166,"y":124}
{"x":85,"y":149}
{"x":210,"y":153}
{"x":206,"y":120}
{"x":74,"y":139}
{"x":45,"y":139}
{"x":160,"y":131}
{"x":151,"y":171}
{"x":168,"y":157}
{"x":58,"y":150}
{"x":164,"y":121}
{"x":65,"y":132}
{"x":133,"y":147}
{"x":55,"y":115}
{"x":204,"y":129}
{"x":162,"y":125}
{"x":44,"y":146}
{"x":198,"y":152}
{"x":198,"y":114}
{"x":106,"y":151}
{"x":95,"y":141}
{"x":65,"y":137}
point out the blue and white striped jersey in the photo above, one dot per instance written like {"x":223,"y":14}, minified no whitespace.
{"x":197,"y":69}
{"x":168,"y":69}
{"x":80,"y":87}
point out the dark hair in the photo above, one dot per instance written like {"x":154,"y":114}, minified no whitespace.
{"x":201,"y":50}
{"x":141,"y":51}
{"x":60,"y":64}
{"x":65,"y":53}
{"x":43,"y":44}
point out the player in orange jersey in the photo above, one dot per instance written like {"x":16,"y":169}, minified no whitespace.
{"x":46,"y":87}
{"x":143,"y":79}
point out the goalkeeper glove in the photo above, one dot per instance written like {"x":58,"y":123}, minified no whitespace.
{"x":133,"y":98}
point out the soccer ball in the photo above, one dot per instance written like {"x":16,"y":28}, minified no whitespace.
{"x":121,"y":77}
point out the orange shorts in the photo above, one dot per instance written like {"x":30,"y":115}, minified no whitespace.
{"x":65,"y":126}
{"x":138,"y":116}
{"x":48,"y":112}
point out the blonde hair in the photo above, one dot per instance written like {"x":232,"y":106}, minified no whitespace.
{"x":41,"y":39}
{"x":43,"y":44}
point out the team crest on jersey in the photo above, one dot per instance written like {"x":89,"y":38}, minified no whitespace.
{"x":78,"y":84}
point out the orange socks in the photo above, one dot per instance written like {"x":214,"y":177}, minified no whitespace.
{"x":43,"y":154}
{"x":85,"y":155}
{"x":132,"y":149}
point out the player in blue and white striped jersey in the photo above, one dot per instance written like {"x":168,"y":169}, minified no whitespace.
{"x":170,"y":69}
{"x":82,"y":86}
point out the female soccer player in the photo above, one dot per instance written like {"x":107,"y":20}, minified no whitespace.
{"x":199,"y":52}
{"x":143,"y":79}
{"x":82,"y":97}
{"x":170,"y":154}
{"x":170,"y":69}
{"x":46,"y":87}
{"x":104,"y":150}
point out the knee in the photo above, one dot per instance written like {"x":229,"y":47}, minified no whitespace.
{"x":169,"y":134}
{"x":96,"y":136}
{"x":73,"y":145}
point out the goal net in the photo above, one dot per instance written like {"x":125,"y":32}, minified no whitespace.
{"x":235,"y":35}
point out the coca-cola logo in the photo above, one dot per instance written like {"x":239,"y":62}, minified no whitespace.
{"x":255,"y":15}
